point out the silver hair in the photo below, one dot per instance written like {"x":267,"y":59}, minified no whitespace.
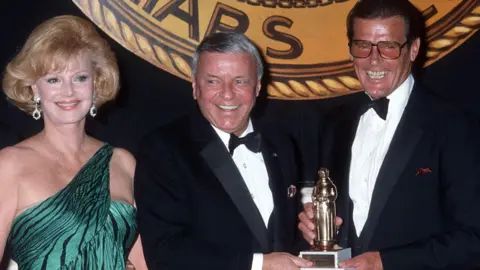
{"x":228,"y":42}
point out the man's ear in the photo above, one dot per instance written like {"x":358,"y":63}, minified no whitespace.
{"x":414,"y":49}
{"x":194,"y":89}
{"x":258,"y":88}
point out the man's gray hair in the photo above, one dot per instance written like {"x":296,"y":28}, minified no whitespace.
{"x":228,"y":42}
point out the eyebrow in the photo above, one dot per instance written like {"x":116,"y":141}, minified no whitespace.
{"x":56,"y":72}
{"x":211,"y":75}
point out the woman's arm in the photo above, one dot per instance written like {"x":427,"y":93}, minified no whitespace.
{"x":8,"y":195}
{"x":136,"y":256}
{"x":136,"y":259}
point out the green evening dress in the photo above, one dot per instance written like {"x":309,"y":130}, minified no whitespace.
{"x":77,"y":228}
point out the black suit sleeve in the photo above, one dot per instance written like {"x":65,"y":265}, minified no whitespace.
{"x":459,"y":247}
{"x":162,"y":198}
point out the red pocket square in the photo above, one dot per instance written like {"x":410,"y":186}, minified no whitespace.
{"x":423,"y":171}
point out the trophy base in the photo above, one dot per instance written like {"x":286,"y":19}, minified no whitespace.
{"x":326,"y":259}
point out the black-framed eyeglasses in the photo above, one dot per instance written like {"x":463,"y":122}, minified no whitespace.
{"x":387,"y":49}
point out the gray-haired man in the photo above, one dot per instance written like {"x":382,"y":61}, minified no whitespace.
{"x":215,"y":190}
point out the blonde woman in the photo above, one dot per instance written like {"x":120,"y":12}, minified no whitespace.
{"x":66,"y":199}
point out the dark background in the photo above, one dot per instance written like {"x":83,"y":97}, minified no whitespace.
{"x":150,"y":96}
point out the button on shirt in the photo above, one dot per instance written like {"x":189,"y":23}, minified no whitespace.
{"x":371,"y":143}
{"x":254,"y":173}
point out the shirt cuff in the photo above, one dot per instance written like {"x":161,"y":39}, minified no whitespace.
{"x":257,"y":262}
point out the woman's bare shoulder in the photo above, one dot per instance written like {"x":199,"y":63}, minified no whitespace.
{"x":16,"y":155}
{"x":124,"y":159}
{"x":22,"y":151}
{"x":14,"y":160}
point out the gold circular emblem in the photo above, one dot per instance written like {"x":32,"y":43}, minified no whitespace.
{"x":303,"y":41}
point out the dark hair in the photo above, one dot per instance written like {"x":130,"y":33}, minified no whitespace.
{"x":228,"y":42}
{"x":383,"y":9}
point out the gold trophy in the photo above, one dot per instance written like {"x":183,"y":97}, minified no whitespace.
{"x":325,"y":254}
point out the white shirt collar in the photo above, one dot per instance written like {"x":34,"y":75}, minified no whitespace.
{"x":225,"y":137}
{"x":399,"y":97}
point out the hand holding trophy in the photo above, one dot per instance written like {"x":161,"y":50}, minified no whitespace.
{"x":324,"y":253}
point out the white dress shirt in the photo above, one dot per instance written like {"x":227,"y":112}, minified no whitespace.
{"x":369,"y":148}
{"x":254,"y":173}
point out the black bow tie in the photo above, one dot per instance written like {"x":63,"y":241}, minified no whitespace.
{"x":379,"y":105}
{"x":252,"y":141}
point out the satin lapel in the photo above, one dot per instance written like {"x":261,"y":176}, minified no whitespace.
{"x":224,"y":168}
{"x":279,"y":193}
{"x":404,"y":142}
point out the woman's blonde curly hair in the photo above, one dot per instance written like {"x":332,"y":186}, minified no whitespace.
{"x":49,"y":48}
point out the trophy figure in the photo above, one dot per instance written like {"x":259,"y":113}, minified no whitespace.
{"x":325,"y":254}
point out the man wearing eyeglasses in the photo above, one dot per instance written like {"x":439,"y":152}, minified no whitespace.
{"x":406,"y":163}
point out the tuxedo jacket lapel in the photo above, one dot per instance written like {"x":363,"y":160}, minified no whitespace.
{"x":336,"y":156}
{"x":279,"y":193}
{"x":349,"y":129}
{"x":222,"y":165}
{"x":402,"y":146}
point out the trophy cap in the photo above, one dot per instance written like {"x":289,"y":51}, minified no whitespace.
{"x":323,"y":173}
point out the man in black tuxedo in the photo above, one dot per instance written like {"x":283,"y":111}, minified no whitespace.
{"x":407,"y":163}
{"x":213,"y":190}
